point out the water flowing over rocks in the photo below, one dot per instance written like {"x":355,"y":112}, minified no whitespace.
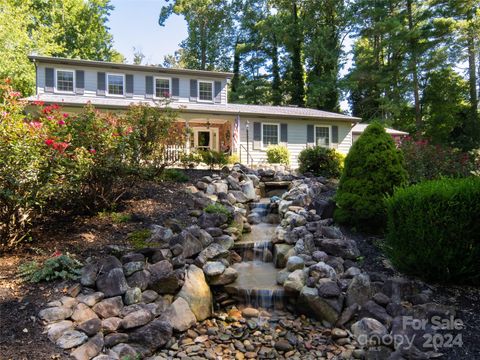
{"x":273,"y":279}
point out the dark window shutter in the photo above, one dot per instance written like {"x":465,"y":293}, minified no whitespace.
{"x":193,"y":90}
{"x":100,"y":83}
{"x":79,"y":82}
{"x":218,"y":92}
{"x":283,"y":133}
{"x":257,"y":131}
{"x":149,"y":87}
{"x":49,"y":79}
{"x":310,"y":134}
{"x":335,"y":134}
{"x":175,"y":87}
{"x":129,"y":85}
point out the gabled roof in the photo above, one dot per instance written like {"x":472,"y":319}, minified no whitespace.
{"x":129,"y":67}
{"x":360,"y":128}
{"x":226,"y":109}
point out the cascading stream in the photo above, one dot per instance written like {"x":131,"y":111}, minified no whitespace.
{"x":256,"y":284}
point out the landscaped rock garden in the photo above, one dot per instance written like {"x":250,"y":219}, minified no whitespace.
{"x":166,"y":300}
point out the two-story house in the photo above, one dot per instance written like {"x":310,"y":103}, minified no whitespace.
{"x":200,"y":96}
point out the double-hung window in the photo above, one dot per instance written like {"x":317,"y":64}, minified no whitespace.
{"x":162,"y":87}
{"x":322,"y":136}
{"x":205,"y":90}
{"x":115,"y":84}
{"x":270,"y":134}
{"x":65,"y":80}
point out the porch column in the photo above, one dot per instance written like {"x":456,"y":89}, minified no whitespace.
{"x":187,"y":129}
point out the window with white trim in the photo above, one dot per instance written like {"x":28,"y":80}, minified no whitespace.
{"x":162,"y":87}
{"x":65,"y":80}
{"x":115,"y":84}
{"x":322,"y":136}
{"x":270,"y":134}
{"x":205,"y":90}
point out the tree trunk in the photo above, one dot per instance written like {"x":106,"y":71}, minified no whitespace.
{"x":276,"y":93}
{"x":414,"y":66}
{"x":298,"y":94}
{"x":236,"y":74}
{"x":472,"y":71}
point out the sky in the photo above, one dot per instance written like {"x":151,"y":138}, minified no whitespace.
{"x":134,"y":23}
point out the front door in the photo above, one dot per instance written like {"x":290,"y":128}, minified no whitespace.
{"x":206,"y":139}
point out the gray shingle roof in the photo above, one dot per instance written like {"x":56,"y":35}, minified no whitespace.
{"x":229,"y":109}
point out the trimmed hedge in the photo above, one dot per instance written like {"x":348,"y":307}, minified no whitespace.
{"x":373,"y":168}
{"x":278,"y":154}
{"x":434,"y":230}
{"x":321,"y":161}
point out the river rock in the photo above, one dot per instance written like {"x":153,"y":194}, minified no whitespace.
{"x":132,"y":296}
{"x":280,"y":252}
{"x":140,"y":279}
{"x":367,"y":327}
{"x":55,"y":313}
{"x":372,"y":310}
{"x":180,"y":315}
{"x":328,"y":288}
{"x":227,"y":277}
{"x":90,"y":349}
{"x":132,"y":267}
{"x":320,"y":308}
{"x":55,"y":330}
{"x":322,"y":271}
{"x":295,"y":281}
{"x":197,"y":293}
{"x":360,"y":290}
{"x":226,"y":241}
{"x":154,"y":335}
{"x":295,"y":263}
{"x":89,"y":274}
{"x":111,"y":324}
{"x":71,"y":339}
{"x":91,"y":299}
{"x":250,"y":312}
{"x":149,"y":296}
{"x":112,"y":283}
{"x":212,"y":252}
{"x":160,"y":234}
{"x":125,"y":351}
{"x":213,"y":268}
{"x":109,"y":307}
{"x":210,"y":220}
{"x":344,"y":248}
{"x":136,"y":319}
{"x":133,"y":257}
{"x":90,"y":327}
{"x":162,"y":278}
{"x":83,"y":313}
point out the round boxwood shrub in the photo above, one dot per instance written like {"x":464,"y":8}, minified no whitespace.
{"x":433,"y":230}
{"x":278,"y":154}
{"x":373,"y":168}
{"x":320,"y":161}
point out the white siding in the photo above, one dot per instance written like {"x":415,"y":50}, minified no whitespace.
{"x":138,"y":81}
{"x":297,"y":138}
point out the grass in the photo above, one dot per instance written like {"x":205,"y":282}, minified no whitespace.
{"x":138,"y":238}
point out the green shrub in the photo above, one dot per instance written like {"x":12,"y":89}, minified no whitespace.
{"x":214,"y":158}
{"x":64,"y":267}
{"x":425,"y":161}
{"x":321,"y":161}
{"x":233,"y":159}
{"x":373,"y":168}
{"x":191,"y":159}
{"x":219,"y":209}
{"x":174,"y":175}
{"x":433,"y":230}
{"x":278,"y":154}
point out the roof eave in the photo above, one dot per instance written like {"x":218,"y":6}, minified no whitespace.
{"x":111,"y":65}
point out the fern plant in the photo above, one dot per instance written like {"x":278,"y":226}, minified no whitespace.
{"x":61,"y":266}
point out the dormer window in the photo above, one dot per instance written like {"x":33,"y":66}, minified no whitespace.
{"x":205,"y":91}
{"x":115,"y":84}
{"x":65,"y":81}
{"x":162,"y":87}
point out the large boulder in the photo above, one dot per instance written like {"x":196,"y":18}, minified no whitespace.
{"x":112,"y":283}
{"x":189,"y":243}
{"x":344,"y":248}
{"x":180,"y":315}
{"x":227,"y":277}
{"x":163,"y":279}
{"x":280,"y":252}
{"x":212,"y":252}
{"x":248,"y":189}
{"x":197,"y":293}
{"x":360,"y":290}
{"x":295,"y":281}
{"x":154,"y":335}
{"x":320,"y":308}
{"x":209,"y":220}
